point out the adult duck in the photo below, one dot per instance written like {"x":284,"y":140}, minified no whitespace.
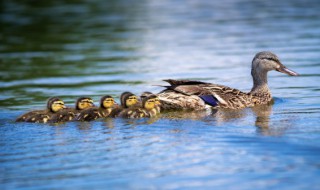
{"x":197,"y":95}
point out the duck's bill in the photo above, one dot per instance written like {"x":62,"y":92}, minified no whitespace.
{"x":287,"y":71}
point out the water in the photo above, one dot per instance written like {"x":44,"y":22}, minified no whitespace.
{"x":69,"y":49}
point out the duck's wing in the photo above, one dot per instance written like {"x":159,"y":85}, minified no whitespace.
{"x":63,"y":115}
{"x":116,"y":111}
{"x":40,"y":117}
{"x":212,"y":94}
{"x":24,"y":117}
{"x":229,"y":97}
{"x":134,"y":113}
{"x":89,"y":114}
{"x":181,"y":95}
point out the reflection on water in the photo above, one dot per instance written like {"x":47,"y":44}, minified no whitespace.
{"x":263,"y":113}
{"x":93,"y":48}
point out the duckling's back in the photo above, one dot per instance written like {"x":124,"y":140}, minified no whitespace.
{"x":27,"y":115}
{"x":64,"y":115}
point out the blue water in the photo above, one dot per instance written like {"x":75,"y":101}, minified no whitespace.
{"x":69,"y":49}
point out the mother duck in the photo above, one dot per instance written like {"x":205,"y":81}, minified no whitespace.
{"x":197,"y":95}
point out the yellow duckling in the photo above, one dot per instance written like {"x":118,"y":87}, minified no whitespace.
{"x":148,"y":110}
{"x":69,"y":114}
{"x":157,"y":100}
{"x":107,"y":104}
{"x":127,"y":100}
{"x":54,"y":105}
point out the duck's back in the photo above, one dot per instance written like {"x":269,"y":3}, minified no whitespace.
{"x":64,"y":115}
{"x":89,"y":114}
{"x":23,"y":117}
{"x":134,"y":112}
{"x":198,"y":95}
{"x":39,"y":117}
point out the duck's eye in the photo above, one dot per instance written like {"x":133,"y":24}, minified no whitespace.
{"x":59,"y":103}
{"x":270,"y":59}
{"x":88,"y":101}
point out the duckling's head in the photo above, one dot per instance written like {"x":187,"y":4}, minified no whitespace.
{"x":145,"y":94}
{"x":84,"y":103}
{"x":157,"y":101}
{"x":55,"y":104}
{"x":149,"y":102}
{"x":266,"y":61}
{"x":107,"y":102}
{"x":128,"y":99}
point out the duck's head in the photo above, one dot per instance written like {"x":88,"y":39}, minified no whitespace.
{"x":266,"y":61}
{"x":157,"y":101}
{"x":149,"y":102}
{"x":84,"y":103}
{"x":128,"y":99}
{"x":145,"y":94}
{"x":55,"y":104}
{"x":107,"y":102}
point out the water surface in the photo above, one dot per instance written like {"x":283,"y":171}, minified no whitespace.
{"x":69,"y":49}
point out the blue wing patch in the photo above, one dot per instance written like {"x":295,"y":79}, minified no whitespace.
{"x":209,"y":99}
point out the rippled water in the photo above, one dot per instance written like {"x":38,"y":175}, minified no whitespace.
{"x":74,"y":48}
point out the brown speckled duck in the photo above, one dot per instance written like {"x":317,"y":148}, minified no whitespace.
{"x":147,"y":110}
{"x":54,"y":105}
{"x":197,"y":95}
{"x":106,"y":106}
{"x":69,"y":114}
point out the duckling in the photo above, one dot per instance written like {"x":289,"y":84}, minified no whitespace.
{"x":145,"y":94}
{"x":148,"y":110}
{"x":69,"y":114}
{"x":157,"y":100}
{"x":127,"y":100}
{"x":54,"y":105}
{"x":106,"y":106}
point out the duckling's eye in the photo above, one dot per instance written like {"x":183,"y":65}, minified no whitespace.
{"x":88,"y":101}
{"x":59,"y":103}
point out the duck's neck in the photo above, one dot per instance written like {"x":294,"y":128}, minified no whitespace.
{"x":260,"y":83}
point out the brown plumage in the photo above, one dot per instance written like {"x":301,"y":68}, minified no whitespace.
{"x":157,"y":100}
{"x":107,"y":104}
{"x":127,"y":100}
{"x":54,"y":105}
{"x":147,"y":110}
{"x":197,"y":95}
{"x":69,"y":114}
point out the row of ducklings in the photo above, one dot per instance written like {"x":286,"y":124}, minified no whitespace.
{"x":85,"y":110}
